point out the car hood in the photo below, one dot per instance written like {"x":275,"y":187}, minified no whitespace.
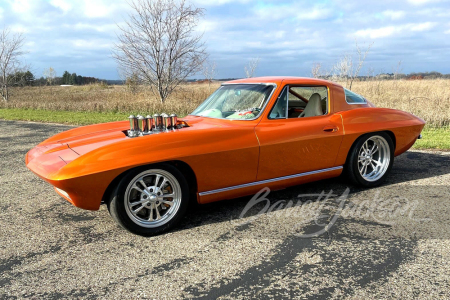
{"x":85,"y":139}
{"x":110,"y":141}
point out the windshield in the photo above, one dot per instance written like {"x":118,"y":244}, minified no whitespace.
{"x":235,"y":101}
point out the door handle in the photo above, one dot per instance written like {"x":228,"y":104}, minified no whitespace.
{"x":330,"y":129}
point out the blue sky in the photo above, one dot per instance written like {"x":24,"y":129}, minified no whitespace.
{"x":287,"y":36}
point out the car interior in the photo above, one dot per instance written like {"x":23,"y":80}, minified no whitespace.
{"x":301,"y":102}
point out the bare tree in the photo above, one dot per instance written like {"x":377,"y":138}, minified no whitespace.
{"x":158,"y":44}
{"x":342,"y":69}
{"x":50,"y":75}
{"x":346,"y":69}
{"x":250,"y":68}
{"x":361,"y":58}
{"x":10,"y":51}
{"x":398,"y":69}
{"x":209,"y":71}
{"x":316,"y":70}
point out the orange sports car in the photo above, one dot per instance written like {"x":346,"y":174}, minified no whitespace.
{"x":251,"y":133}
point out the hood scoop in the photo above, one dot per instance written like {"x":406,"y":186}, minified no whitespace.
{"x":140,"y":125}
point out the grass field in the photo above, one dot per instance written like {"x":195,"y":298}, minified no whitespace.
{"x":82,"y":105}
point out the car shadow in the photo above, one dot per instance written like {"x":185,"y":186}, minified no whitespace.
{"x":410,"y":166}
{"x":355,"y":247}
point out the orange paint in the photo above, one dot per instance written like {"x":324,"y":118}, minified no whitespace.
{"x":222,"y":153}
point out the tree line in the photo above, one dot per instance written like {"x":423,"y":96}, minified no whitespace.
{"x":27,"y":78}
{"x":158,"y":45}
{"x":74,"y":79}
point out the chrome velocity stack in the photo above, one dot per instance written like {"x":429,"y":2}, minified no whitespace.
{"x":150,"y":123}
{"x":143,"y":127}
{"x":157,"y":119}
{"x":174,"y":120}
{"x":134,"y":126}
{"x":167,"y":122}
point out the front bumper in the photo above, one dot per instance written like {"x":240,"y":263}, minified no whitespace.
{"x":83,"y":191}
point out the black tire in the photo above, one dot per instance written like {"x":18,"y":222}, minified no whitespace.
{"x":353,"y":164}
{"x":124,"y":217}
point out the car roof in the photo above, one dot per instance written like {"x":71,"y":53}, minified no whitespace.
{"x":279,"y":79}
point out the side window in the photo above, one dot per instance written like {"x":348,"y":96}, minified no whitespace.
{"x":307,"y":101}
{"x":300,"y":102}
{"x":279,"y":109}
{"x":353,"y":98}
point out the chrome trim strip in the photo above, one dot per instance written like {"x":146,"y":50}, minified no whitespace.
{"x":365,"y":100}
{"x":286,"y":87}
{"x":63,"y":192}
{"x":268,"y":181}
{"x":263,"y":83}
{"x":356,"y":103}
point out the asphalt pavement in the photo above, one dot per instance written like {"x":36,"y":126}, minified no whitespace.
{"x":322,"y":240}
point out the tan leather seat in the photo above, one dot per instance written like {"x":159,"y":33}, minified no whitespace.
{"x":314,"y":107}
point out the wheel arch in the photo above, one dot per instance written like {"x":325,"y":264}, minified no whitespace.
{"x":388,"y":132}
{"x":182,"y":166}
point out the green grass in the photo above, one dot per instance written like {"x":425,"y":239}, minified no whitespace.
{"x":63,"y":117}
{"x":432,"y":138}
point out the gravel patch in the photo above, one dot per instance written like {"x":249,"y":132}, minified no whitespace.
{"x":382,"y":243}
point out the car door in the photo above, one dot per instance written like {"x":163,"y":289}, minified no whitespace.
{"x":292,"y":144}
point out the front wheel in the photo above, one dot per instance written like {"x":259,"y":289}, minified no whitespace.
{"x":150,"y":201}
{"x":371,"y":159}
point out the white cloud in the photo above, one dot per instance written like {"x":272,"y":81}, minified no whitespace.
{"x":206,"y":25}
{"x":447,"y":32}
{"x":19,"y":28}
{"x":95,"y":27}
{"x":377,"y":33}
{"x":394,"y":14}
{"x":283,"y":11}
{"x":30,"y":44}
{"x":422,"y":26}
{"x":390,"y":30}
{"x":22,"y":6}
{"x":217,"y":2}
{"x":256,"y":44}
{"x":90,"y":44}
{"x":64,"y":5}
{"x":421,"y":2}
{"x":101,"y":8}
{"x":279,"y":34}
{"x":317,"y":13}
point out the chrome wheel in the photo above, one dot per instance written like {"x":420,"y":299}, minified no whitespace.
{"x":374,"y":158}
{"x":152,"y":198}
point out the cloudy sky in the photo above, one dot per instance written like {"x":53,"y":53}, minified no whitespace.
{"x":287,"y":36}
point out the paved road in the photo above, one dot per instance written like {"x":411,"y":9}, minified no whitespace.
{"x":388,"y":242}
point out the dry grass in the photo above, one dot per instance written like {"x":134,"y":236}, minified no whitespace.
{"x":102,"y":98}
{"x":428,"y":99}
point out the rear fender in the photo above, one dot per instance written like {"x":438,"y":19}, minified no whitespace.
{"x":404,"y":126}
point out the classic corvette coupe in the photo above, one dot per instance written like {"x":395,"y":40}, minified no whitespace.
{"x":252,"y":133}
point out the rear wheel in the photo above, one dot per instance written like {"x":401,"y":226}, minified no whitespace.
{"x":371,"y":159}
{"x":150,"y":201}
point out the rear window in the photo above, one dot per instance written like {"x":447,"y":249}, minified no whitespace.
{"x":353,"y":98}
